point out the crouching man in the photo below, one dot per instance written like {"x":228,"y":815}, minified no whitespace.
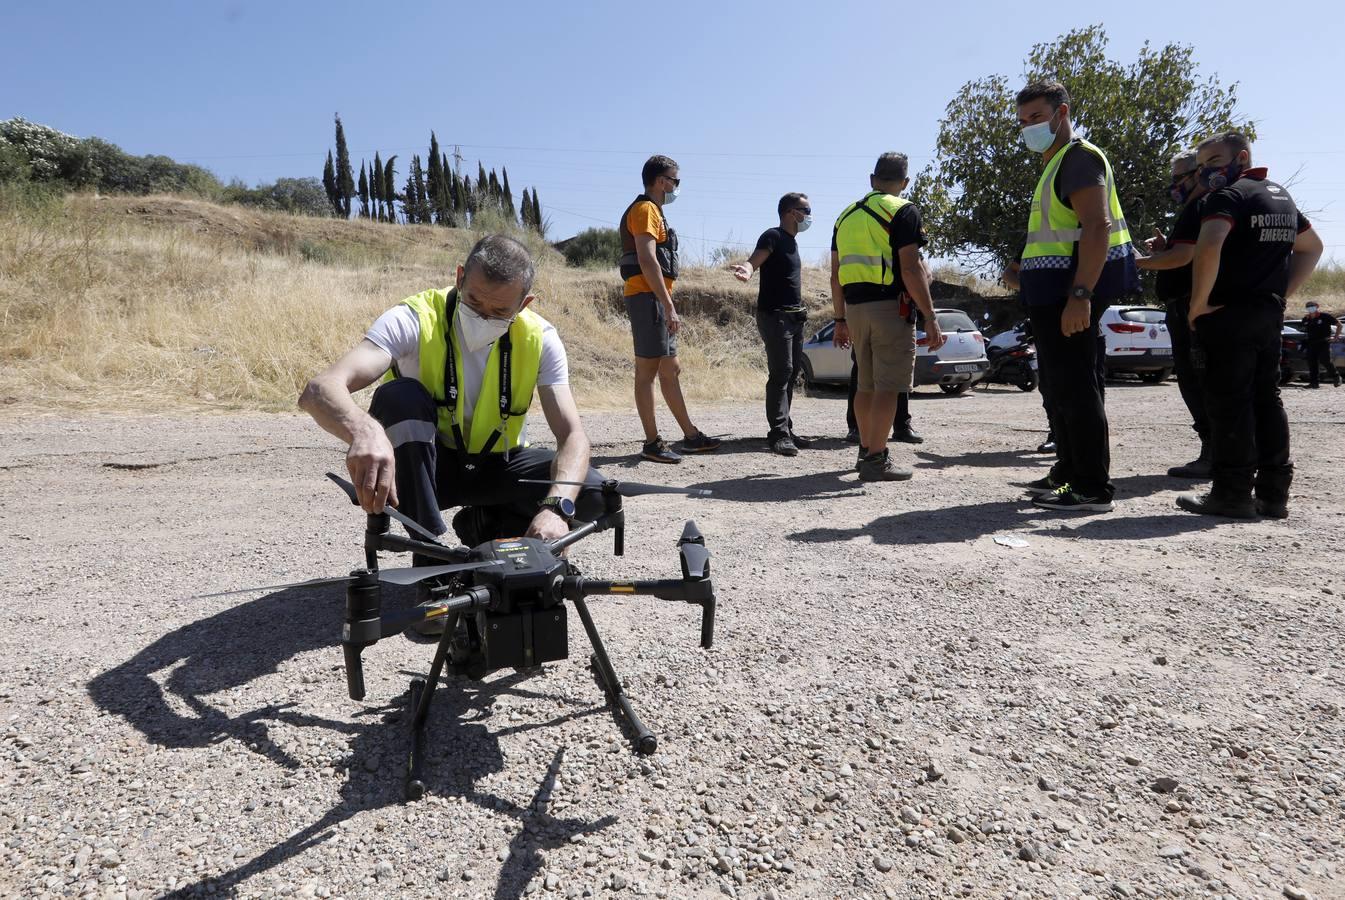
{"x":448,"y":425}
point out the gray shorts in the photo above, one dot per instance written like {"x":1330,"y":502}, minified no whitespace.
{"x":649,"y":327}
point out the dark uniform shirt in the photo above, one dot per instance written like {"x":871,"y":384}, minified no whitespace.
{"x":907,"y":228}
{"x":781,"y":284}
{"x":1254,"y":262}
{"x":1318,"y":329}
{"x":1175,"y":284}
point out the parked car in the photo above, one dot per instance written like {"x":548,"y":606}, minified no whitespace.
{"x":957,"y":365}
{"x":1294,"y":359}
{"x":1137,"y":342}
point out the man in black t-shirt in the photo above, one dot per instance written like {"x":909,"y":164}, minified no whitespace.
{"x":1316,"y":327}
{"x":1170,"y":257}
{"x":1254,"y":250}
{"x":781,"y":316}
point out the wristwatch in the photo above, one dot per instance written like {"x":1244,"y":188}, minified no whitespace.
{"x":561,"y":506}
{"x":1079,"y":292}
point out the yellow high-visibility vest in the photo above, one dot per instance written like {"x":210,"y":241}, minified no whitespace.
{"x":1053,"y":229}
{"x":864,"y":239}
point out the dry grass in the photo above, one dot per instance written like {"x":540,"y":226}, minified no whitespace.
{"x":161,"y":303}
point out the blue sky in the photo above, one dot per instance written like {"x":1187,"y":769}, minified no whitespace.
{"x":753,"y":99}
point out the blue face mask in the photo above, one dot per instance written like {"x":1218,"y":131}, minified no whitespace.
{"x":805,"y":223}
{"x":1216,"y":177}
{"x":670,"y":196}
{"x":1038,"y":138}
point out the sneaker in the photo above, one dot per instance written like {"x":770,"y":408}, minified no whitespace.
{"x":1208,"y":505}
{"x":852,"y":436}
{"x":879,"y":468}
{"x":1271,"y":509}
{"x":1066,"y":499}
{"x":907,"y":436}
{"x":784,"y":446}
{"x":658,"y":450}
{"x":701,"y":443}
{"x":1043,"y":485}
{"x":801,"y":442}
{"x":1046,"y":446}
{"x":1198,"y":469}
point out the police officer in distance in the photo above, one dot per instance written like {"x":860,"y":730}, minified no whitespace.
{"x":1254,"y":250}
{"x":1316,"y":327}
{"x":1077,"y":259}
{"x":1170,"y":257}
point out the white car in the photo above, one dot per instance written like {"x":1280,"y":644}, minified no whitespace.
{"x":957,"y":365}
{"x":1137,"y":342}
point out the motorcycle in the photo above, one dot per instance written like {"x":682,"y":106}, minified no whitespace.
{"x":1015,"y":364}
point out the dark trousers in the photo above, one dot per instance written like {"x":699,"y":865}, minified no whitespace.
{"x":1188,"y":378}
{"x":900,"y":422}
{"x":1319,"y":352}
{"x":1072,"y":390}
{"x":782,"y":333}
{"x":1238,"y":347}
{"x":431,"y":477}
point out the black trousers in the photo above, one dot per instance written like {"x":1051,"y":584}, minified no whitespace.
{"x":782,"y":333}
{"x":1071,"y":387}
{"x":1188,"y":377}
{"x":900,"y":422}
{"x":431,"y":478}
{"x":1238,"y":348}
{"x":1319,"y":352}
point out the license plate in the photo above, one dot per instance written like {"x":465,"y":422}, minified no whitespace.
{"x":1161,"y":351}
{"x":971,"y":368}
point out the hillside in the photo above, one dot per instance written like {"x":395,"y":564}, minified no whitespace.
{"x":165,"y":302}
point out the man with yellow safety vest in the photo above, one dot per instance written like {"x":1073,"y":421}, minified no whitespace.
{"x":877,"y":282}
{"x":448,"y":425}
{"x":1077,"y":259}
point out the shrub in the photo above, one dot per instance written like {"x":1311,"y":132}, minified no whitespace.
{"x":594,"y":248}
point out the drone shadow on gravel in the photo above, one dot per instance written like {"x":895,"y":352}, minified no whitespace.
{"x":252,"y":640}
{"x":766,"y":488}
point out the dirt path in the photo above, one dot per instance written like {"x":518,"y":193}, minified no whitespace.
{"x":896,"y":704}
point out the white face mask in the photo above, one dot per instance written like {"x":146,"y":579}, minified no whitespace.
{"x":1039,"y":138}
{"x":479,"y":332}
{"x":805,"y":224}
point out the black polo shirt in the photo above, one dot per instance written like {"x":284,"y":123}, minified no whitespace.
{"x":1254,"y":262}
{"x":1318,"y":329}
{"x":1175,"y":284}
{"x":781,"y":273}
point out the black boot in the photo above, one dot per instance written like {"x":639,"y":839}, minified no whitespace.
{"x":1210,"y":505}
{"x":1197,"y":469}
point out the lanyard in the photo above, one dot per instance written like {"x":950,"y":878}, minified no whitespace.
{"x":505,"y":352}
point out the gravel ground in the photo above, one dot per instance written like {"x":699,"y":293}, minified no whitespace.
{"x":1140,"y":704}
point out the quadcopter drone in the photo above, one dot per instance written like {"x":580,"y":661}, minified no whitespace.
{"x":503,"y":604}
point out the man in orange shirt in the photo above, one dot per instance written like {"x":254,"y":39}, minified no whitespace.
{"x":649,"y":266}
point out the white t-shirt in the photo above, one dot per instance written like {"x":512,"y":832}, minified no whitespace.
{"x":397,"y":332}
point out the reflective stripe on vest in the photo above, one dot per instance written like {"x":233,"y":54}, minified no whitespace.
{"x":1053,"y":228}
{"x":525,"y":336}
{"x":864,"y":240}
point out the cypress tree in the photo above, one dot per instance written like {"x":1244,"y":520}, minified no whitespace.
{"x":390,"y":187}
{"x":345,"y":178}
{"x":415,"y":185}
{"x":364,"y":192}
{"x":537,"y":224}
{"x":469,"y":198}
{"x":526,"y":215}
{"x":496,"y":195}
{"x":329,"y":185}
{"x":376,"y":186}
{"x":482,"y":186}
{"x":508,"y":195}
{"x":436,"y":183}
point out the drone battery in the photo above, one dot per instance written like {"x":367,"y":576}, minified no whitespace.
{"x":525,"y":638}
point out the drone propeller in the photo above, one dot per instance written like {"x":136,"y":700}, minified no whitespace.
{"x":410,"y":523}
{"x":629,"y":488}
{"x":402,"y":577}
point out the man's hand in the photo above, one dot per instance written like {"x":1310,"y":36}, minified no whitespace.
{"x":840,"y":335}
{"x":547,"y":526}
{"x":934,"y":334}
{"x":1077,"y":316}
{"x":742,"y":271}
{"x":370,"y":463}
{"x":1157,"y":243}
{"x":674,"y":322}
{"x":1200,"y":308}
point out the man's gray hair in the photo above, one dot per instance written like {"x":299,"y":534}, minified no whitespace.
{"x":1184,"y":161}
{"x":501,"y":259}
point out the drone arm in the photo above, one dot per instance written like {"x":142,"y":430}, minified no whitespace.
{"x":399,"y":544}
{"x":397,"y":622}
{"x":699,"y":592}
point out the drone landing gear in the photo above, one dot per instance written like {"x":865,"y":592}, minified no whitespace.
{"x":422,"y":692}
{"x":645,"y":741}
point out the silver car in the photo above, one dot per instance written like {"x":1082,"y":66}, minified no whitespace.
{"x":956,"y":366}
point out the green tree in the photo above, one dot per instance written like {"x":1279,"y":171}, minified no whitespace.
{"x":538,"y":223}
{"x":596,"y":247}
{"x":975,"y":194}
{"x":329,"y":185}
{"x":390,"y":187}
{"x":525,"y":216}
{"x":435,"y":184}
{"x":508,"y":194}
{"x":376,"y":186}
{"x":345,"y":177}
{"x":364,"y":192}
{"x":482,"y":185}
